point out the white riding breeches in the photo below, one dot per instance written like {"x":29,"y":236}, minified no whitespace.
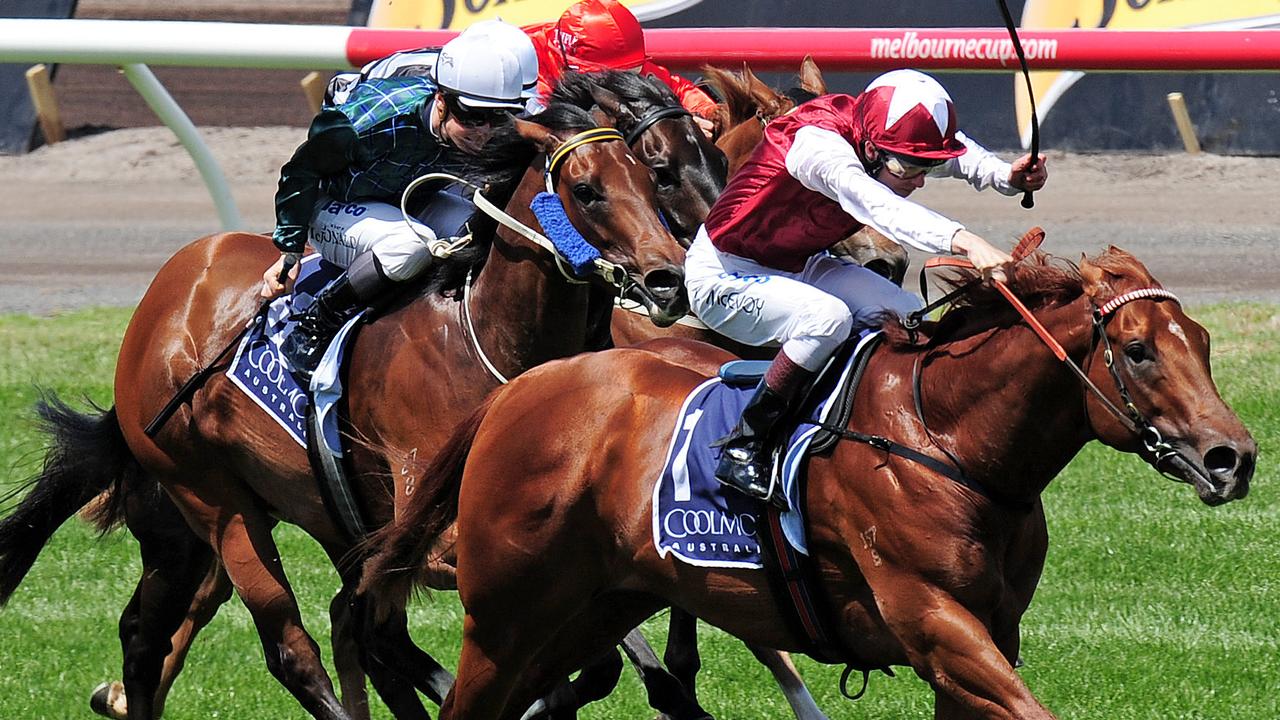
{"x":809,"y":313}
{"x":341,"y":231}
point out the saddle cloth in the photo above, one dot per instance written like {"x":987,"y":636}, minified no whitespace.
{"x":701,"y":521}
{"x":261,"y":371}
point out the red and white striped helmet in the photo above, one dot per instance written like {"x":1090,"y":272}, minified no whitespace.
{"x":909,"y":113}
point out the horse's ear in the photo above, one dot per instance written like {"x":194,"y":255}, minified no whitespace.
{"x":766,"y":98}
{"x":611,"y":104}
{"x":603,"y":118}
{"x":811,"y":77}
{"x":733,"y":98}
{"x":537,"y":135}
{"x":1098,"y":281}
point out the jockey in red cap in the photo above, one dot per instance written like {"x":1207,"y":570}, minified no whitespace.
{"x":758,"y":270}
{"x":604,"y":35}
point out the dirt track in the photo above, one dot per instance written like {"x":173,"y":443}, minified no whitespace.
{"x":87,"y":222}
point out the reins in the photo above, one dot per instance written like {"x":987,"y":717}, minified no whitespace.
{"x":1130,"y":416}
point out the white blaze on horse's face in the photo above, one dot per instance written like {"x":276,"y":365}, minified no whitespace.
{"x":1176,"y":330}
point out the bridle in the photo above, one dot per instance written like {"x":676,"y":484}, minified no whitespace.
{"x":652,"y":118}
{"x":612,"y":274}
{"x":1132,"y":418}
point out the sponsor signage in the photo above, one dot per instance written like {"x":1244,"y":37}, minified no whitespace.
{"x":458,"y":14}
{"x":1049,"y":86}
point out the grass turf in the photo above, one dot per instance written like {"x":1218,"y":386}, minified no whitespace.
{"x":1152,"y":606}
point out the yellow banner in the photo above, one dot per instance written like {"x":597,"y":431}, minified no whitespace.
{"x":458,"y":14}
{"x":1048,"y":86}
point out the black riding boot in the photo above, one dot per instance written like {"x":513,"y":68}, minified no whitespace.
{"x":744,"y":457}
{"x":333,"y":307}
{"x":363,"y":285}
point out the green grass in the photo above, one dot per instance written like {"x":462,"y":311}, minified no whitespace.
{"x":1152,"y":606}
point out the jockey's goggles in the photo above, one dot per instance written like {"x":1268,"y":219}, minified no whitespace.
{"x":475,"y":117}
{"x":907,"y":168}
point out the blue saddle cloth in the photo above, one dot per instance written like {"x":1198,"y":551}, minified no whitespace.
{"x":698,"y":519}
{"x":261,"y":371}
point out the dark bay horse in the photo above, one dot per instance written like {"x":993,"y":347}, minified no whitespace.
{"x":917,"y":568}
{"x":415,"y":372}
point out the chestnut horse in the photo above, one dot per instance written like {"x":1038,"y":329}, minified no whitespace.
{"x":553,"y":478}
{"x":415,"y":373}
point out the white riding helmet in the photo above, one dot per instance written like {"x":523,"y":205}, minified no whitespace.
{"x":481,"y":75}
{"x":505,"y":35}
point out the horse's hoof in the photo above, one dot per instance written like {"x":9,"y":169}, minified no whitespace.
{"x":108,"y":700}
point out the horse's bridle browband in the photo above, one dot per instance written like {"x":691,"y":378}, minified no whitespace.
{"x":652,"y":118}
{"x":586,"y":137}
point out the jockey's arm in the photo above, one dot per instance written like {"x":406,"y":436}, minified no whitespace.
{"x":330,"y":147}
{"x":982,"y":169}
{"x":826,"y":163}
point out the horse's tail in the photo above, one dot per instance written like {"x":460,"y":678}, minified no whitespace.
{"x":87,"y":457}
{"x":398,"y":552}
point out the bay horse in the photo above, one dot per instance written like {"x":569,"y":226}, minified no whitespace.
{"x":916,"y":567}
{"x":688,"y":174}
{"x":232,"y":472}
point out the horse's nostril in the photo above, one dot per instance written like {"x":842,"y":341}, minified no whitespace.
{"x":1221,"y":459}
{"x":665,"y":283}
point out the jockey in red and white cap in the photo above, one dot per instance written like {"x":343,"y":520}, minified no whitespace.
{"x":758,"y":270}
{"x":597,"y":35}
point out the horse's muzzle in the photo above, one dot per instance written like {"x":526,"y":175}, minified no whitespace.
{"x":1221,"y":474}
{"x":663,"y":295}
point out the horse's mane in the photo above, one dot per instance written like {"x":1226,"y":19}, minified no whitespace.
{"x":1038,"y":281}
{"x":638,"y":93}
{"x":744,"y":96}
{"x":499,"y":168}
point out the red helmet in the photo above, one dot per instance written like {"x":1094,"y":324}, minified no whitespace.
{"x":908,"y":113}
{"x":600,"y":35}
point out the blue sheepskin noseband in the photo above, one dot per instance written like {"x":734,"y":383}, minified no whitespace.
{"x":580,"y":254}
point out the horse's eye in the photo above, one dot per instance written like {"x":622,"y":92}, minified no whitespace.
{"x":1136,"y":352}
{"x":585,"y":194}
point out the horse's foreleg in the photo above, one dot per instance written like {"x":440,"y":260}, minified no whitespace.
{"x":666,"y":694}
{"x":684,"y":662}
{"x":788,"y":679}
{"x":595,"y":682}
{"x":954,"y":652}
{"x":395,"y":665}
{"x":581,"y":640}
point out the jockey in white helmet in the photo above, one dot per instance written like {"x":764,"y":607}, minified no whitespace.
{"x":341,"y":189}
{"x":758,"y":270}
{"x":512,"y":37}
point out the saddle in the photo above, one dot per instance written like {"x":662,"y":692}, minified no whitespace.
{"x":703,"y":523}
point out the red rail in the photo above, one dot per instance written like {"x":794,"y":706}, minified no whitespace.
{"x":863,"y":49}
